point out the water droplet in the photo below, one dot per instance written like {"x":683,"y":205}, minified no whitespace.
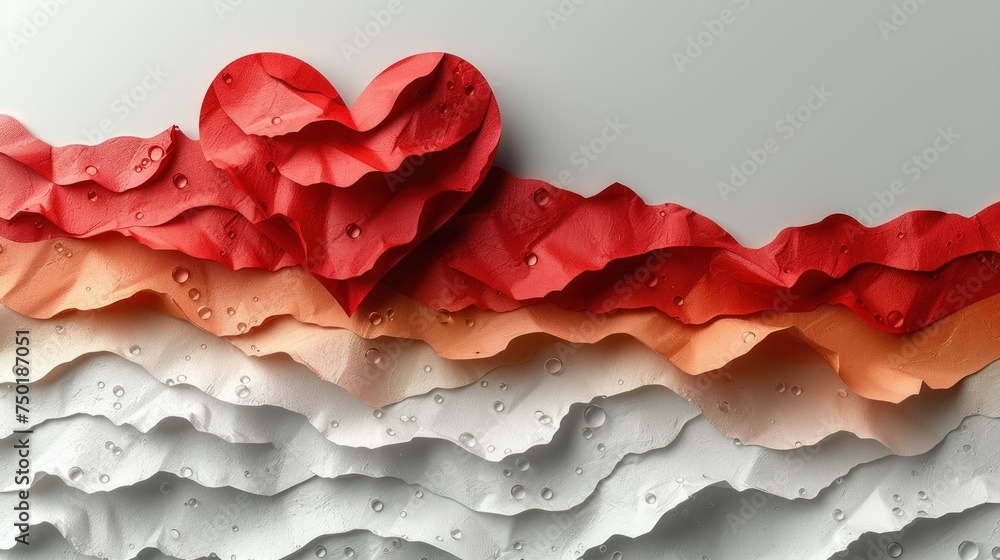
{"x":75,"y":474}
{"x":390,"y":314}
{"x":898,"y":512}
{"x":175,"y":534}
{"x":498,"y":406}
{"x":543,"y":418}
{"x":165,"y":488}
{"x":894,"y":319}
{"x":276,"y":121}
{"x":137,"y":169}
{"x":517,"y":491}
{"x":594,"y":416}
{"x":522,"y":464}
{"x":553,"y":366}
{"x":531,"y":259}
{"x":373,"y":356}
{"x":247,"y":474}
{"x":60,"y":329}
{"x":138,"y":215}
{"x":838,"y":515}
{"x":842,"y":393}
{"x":91,"y":170}
{"x":922,"y":495}
{"x":428,"y":369}
{"x":897,"y":498}
{"x":335,"y":424}
{"x":542,"y":198}
{"x":470,"y":322}
{"x":242,"y":327}
{"x":996,"y":552}
{"x":748,"y":337}
{"x":798,"y":444}
{"x":204,"y":312}
{"x":601,"y":447}
{"x":390,"y":432}
{"x":578,"y":470}
{"x":469,"y":89}
{"x":968,"y":550}
{"x":467,"y":439}
{"x":843,"y":248}
{"x":180,"y":180}
{"x":796,"y":390}
{"x":650,"y":498}
{"x":375,"y":318}
{"x":186,"y":472}
{"x":180,"y":275}
{"x":377,"y":505}
{"x":547,"y":493}
{"x":135,"y":350}
{"x":118,"y":391}
{"x":724,"y":407}
{"x":378,"y":413}
{"x":966,"y":448}
{"x":443,"y":316}
{"x":894,"y":550}
{"x":194,"y":294}
{"x":438,"y":399}
{"x":588,"y":433}
{"x":271,"y":167}
{"x":503,"y":386}
{"x":192,"y":503}
{"x":242,"y":391}
{"x":117,"y":451}
{"x":678,"y":300}
{"x":92,"y":196}
{"x":227,"y":78}
{"x":456,"y":534}
{"x":319,"y":552}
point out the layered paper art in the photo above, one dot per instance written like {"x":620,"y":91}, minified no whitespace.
{"x":332,"y":331}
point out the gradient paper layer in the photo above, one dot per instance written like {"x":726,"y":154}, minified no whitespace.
{"x":331,"y":331}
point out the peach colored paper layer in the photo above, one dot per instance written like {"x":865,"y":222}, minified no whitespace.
{"x":778,"y":394}
{"x":253,"y":309}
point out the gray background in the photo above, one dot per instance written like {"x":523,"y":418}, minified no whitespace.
{"x":558,"y":80}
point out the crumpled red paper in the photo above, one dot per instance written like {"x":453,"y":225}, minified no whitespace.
{"x":286,"y":174}
{"x":293,"y":176}
{"x":519,"y":242}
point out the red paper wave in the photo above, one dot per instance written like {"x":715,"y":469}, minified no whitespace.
{"x":286,"y":174}
{"x":521,"y":241}
{"x":293,"y":176}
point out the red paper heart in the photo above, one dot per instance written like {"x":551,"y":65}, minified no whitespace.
{"x":345,"y":192}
